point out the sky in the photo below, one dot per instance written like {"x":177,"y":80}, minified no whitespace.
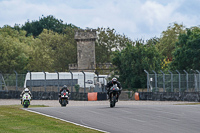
{"x":137,"y":19}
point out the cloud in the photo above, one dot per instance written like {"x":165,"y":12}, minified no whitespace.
{"x":134,"y":18}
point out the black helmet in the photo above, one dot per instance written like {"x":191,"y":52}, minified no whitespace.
{"x":64,"y":87}
{"x":114,"y":80}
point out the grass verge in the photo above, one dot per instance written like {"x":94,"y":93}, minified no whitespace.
{"x":15,"y":120}
{"x":196,"y":103}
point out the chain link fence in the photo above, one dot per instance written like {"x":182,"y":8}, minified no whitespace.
{"x":172,"y":86}
{"x":45,"y":86}
{"x":12,"y":82}
{"x":173,"y":82}
{"x":48,"y":82}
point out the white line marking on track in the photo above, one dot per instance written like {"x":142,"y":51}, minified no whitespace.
{"x":66,"y":121}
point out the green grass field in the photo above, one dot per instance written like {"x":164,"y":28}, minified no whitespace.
{"x":15,"y":120}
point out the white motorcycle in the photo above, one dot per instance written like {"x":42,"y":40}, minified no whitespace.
{"x":26,"y":99}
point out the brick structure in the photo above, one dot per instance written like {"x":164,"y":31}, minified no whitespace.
{"x":85,"y":51}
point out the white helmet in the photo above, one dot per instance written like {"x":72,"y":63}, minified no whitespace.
{"x":26,"y":90}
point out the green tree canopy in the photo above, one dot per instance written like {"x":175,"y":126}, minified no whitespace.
{"x":50,"y":23}
{"x":13,"y":50}
{"x":132,"y":61}
{"x":52,"y":52}
{"x":187,"y":52}
{"x":107,"y":42}
{"x":169,"y":38}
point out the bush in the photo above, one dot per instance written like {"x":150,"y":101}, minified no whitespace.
{"x":77,"y":87}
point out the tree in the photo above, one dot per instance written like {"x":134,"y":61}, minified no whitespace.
{"x":52,"y":52}
{"x":50,"y":23}
{"x":153,"y":41}
{"x":65,"y":51}
{"x":40,"y":57}
{"x":169,"y":38}
{"x":13,"y":50}
{"x":187,"y":52}
{"x":132,"y":61}
{"x":107,"y":42}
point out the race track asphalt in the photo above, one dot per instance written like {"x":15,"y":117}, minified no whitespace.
{"x":130,"y":118}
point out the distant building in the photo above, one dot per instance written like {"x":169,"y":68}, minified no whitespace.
{"x":85,"y":51}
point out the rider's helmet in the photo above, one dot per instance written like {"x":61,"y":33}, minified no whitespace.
{"x":26,"y":90}
{"x":64,"y":87}
{"x":114,"y":80}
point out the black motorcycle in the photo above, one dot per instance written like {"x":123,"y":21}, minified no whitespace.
{"x":113,"y":95}
{"x":64,"y":97}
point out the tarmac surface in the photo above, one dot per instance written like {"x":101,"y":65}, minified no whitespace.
{"x":55,"y":103}
{"x":126,"y":117}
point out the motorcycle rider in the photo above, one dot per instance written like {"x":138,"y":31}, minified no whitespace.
{"x":63,"y":88}
{"x":26,"y":90}
{"x":111,"y":83}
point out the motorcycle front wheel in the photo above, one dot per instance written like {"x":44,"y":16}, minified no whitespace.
{"x":112,"y":102}
{"x":63,"y":103}
{"x":25,"y":104}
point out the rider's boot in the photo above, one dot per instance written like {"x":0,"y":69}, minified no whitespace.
{"x":108,"y":95}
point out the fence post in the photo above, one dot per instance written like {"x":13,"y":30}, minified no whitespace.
{"x":155,"y":79}
{"x":104,"y":88}
{"x":58,"y":80}
{"x":45,"y":80}
{"x":16,"y":80}
{"x":195,"y":79}
{"x":147,"y":80}
{"x":30,"y":81}
{"x":179,"y":80}
{"x":171,"y":80}
{"x":1,"y":76}
{"x":71,"y":81}
{"x":84,"y":80}
{"x":186,"y":79}
{"x":163,"y":80}
{"x":199,"y":79}
{"x":1,"y":82}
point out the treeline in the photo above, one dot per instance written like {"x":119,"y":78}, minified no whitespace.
{"x":48,"y":44}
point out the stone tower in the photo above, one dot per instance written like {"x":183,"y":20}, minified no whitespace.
{"x":85,"y":51}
